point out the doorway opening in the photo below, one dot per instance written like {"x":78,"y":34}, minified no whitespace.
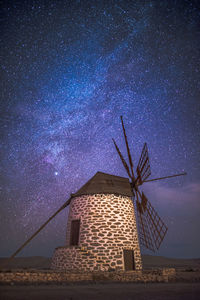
{"x":129,"y":262}
{"x":74,"y":235}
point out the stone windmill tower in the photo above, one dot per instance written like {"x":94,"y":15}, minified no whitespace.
{"x":101,"y":232}
{"x":101,"y":229}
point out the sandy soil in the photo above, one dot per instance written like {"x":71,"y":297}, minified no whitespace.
{"x":114,"y":291}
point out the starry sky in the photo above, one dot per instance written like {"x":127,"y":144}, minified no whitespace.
{"x":69,"y":69}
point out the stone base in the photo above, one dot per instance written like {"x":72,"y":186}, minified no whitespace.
{"x":79,"y":259}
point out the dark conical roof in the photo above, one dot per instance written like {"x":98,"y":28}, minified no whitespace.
{"x":103,"y":183}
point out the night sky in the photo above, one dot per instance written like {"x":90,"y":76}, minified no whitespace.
{"x":69,"y":69}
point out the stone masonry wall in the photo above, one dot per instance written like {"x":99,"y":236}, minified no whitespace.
{"x":107,"y":227}
{"x":55,"y":277}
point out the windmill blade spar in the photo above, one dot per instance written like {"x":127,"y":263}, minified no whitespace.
{"x":128,"y":150}
{"x":161,"y":178}
{"x":41,"y":227}
{"x":122,"y":159}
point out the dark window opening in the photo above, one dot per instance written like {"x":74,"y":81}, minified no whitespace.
{"x":129,"y":263}
{"x":75,"y":229}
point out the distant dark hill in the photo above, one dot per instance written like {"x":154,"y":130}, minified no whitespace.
{"x":149,"y":261}
{"x":32,"y":262}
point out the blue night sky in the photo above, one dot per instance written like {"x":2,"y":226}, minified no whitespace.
{"x":69,"y":69}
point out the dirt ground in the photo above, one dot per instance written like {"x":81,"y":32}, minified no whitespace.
{"x":108,"y":291}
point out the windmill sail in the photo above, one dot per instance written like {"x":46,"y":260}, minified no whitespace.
{"x":143,"y":168}
{"x":152,"y":229}
{"x":157,"y":226}
{"x":144,"y":232}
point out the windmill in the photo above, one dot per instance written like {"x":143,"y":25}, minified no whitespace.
{"x":152,"y":229}
{"x":104,"y":207}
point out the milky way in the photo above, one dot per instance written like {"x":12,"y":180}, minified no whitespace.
{"x":69,"y":70}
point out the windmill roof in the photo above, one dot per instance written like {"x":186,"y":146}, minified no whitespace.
{"x":103,"y":183}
